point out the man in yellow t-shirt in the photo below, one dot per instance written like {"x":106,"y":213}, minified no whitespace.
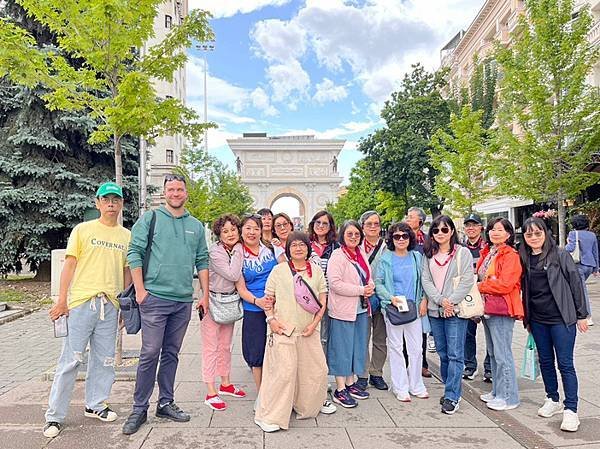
{"x":95,"y":271}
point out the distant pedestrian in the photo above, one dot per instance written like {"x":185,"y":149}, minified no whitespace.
{"x":499,"y":274}
{"x":224,"y":270}
{"x":589,"y":260}
{"x":165,"y":295}
{"x":554,"y":309}
{"x":94,"y":272}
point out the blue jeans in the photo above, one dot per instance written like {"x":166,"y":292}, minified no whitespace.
{"x":449,"y":335}
{"x":498,"y":338}
{"x":585,"y":272}
{"x":164,"y":323}
{"x":85,"y":325}
{"x":560,"y":340}
{"x":471,"y":349}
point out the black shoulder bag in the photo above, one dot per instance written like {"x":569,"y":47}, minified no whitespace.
{"x":130,"y":309}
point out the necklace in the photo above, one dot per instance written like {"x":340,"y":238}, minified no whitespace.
{"x":443,"y":264}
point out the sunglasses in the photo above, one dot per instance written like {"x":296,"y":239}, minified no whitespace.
{"x":443,"y":230}
{"x":172,"y":177}
{"x":402,"y":236}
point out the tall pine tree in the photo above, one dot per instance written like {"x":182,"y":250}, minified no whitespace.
{"x":48,"y":170}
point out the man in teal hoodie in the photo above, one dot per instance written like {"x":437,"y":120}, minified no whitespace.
{"x":165,"y":296}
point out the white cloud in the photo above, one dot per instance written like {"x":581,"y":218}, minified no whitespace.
{"x":260,"y":100}
{"x":228,"y":8}
{"x":223,"y":94}
{"x":328,"y":91}
{"x":288,"y":81}
{"x":277,"y":40}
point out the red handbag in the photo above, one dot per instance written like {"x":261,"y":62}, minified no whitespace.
{"x":495,"y":305}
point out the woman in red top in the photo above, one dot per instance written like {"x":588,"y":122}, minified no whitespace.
{"x":499,"y":273}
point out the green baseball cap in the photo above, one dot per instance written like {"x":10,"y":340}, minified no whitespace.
{"x":109,"y":188}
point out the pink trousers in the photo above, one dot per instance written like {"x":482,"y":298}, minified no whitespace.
{"x":216,"y":348}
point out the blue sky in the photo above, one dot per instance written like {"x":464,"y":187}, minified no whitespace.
{"x":322,"y":67}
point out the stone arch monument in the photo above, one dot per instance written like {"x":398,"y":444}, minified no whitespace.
{"x":300,"y":167}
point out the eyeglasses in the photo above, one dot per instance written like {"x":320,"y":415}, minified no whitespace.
{"x":538,"y":234}
{"x":174,"y":178}
{"x":282,"y":225}
{"x":322,"y":224}
{"x":402,"y":236}
{"x":472,"y":225}
{"x":443,"y":230}
{"x":111,"y":200}
{"x":298,"y":245}
{"x":352,"y":235}
{"x":372,"y":225}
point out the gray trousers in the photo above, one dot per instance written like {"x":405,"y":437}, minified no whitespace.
{"x":164,"y":324}
{"x":376,"y":360}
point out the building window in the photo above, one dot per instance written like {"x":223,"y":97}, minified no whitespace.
{"x":170,"y":158}
{"x":168,"y":21}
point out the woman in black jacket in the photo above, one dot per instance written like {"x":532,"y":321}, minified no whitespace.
{"x":555,"y":308}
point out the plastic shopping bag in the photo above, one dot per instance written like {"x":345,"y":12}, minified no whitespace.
{"x":530,"y":367}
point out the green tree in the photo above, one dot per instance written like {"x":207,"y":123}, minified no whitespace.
{"x":214,"y":190}
{"x":461,"y":156}
{"x":363,"y":195}
{"x":48,"y":170}
{"x":113,"y":82}
{"x":397,"y":155}
{"x":549,"y":121}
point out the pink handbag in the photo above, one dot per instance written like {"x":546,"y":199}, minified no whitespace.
{"x":305,"y":296}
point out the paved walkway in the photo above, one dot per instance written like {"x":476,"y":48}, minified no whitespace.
{"x":381,"y":421}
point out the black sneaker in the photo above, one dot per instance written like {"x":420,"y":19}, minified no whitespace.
{"x":449,"y":407}
{"x":378,"y":382}
{"x":442,"y":400}
{"x":134,"y":422}
{"x":344,"y":399}
{"x":487,"y":377}
{"x":356,"y":392}
{"x":469,"y":373}
{"x":52,"y":429}
{"x":362,"y":383}
{"x":173,"y":412}
{"x":106,"y":415}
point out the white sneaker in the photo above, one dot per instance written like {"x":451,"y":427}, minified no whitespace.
{"x":550,"y":408}
{"x":590,"y":321}
{"x":328,"y":408}
{"x":500,"y":405}
{"x":52,"y":429}
{"x":570,"y":422}
{"x":430,"y":344}
{"x":488,"y":397}
{"x":267,"y":427}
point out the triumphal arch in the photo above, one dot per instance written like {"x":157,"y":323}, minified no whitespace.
{"x":300,"y":167}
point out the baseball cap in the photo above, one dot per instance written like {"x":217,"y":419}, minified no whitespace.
{"x":473,"y":217}
{"x":109,"y":188}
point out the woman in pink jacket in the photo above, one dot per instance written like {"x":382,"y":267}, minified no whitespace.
{"x":350,"y":284}
{"x":224,"y":269}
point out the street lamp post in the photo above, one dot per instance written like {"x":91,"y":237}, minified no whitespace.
{"x":205,"y":47}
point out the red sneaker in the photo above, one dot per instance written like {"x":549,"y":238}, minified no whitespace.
{"x":232,"y":390}
{"x":215,"y":402}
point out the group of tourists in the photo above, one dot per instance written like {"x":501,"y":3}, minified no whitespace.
{"x":330,"y":302}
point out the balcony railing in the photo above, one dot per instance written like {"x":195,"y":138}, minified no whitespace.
{"x":594,"y":34}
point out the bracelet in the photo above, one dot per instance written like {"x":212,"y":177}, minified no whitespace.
{"x":270,"y":318}
{"x":254,"y":300}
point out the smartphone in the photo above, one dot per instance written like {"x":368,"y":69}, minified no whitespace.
{"x":201,"y":313}
{"x":289,"y":331}
{"x":61,"y":328}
